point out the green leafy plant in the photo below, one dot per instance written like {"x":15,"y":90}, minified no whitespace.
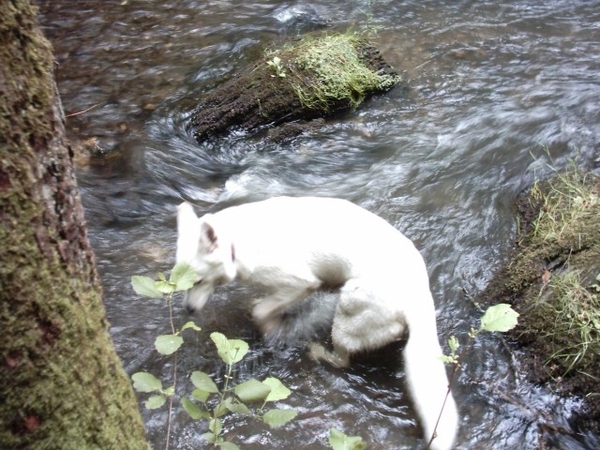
{"x":234,"y":399}
{"x":275,"y":63}
{"x":339,"y":441}
{"x":182,"y":278}
{"x":498,"y":318}
{"x":207,"y":401}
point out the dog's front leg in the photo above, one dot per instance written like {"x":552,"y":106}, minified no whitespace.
{"x":268,"y":310}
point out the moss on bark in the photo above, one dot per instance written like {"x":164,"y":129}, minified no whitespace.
{"x":62,"y":385}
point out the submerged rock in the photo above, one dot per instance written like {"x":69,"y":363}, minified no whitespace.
{"x":308,"y":79}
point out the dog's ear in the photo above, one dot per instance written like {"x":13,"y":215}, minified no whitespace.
{"x":188,"y":233}
{"x":208,"y":235}
{"x":216,"y":241}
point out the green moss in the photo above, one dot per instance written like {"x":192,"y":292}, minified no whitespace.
{"x":63,"y":385}
{"x":565,"y":235}
{"x":552,"y":280}
{"x":574,"y":307}
{"x":329,"y":69}
{"x":568,"y":208}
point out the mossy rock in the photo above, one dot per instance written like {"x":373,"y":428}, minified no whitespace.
{"x":552,"y":280}
{"x":311,"y":78}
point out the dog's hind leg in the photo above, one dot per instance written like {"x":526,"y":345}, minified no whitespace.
{"x":362,"y":322}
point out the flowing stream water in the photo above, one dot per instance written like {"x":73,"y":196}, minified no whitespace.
{"x":499,"y":93}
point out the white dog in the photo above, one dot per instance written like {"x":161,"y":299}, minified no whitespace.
{"x":294,"y":246}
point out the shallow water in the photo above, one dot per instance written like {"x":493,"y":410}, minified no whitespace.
{"x":498,"y":94}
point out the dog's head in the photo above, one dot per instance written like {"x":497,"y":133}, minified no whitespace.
{"x":206,"y":247}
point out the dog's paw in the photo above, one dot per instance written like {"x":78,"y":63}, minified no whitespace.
{"x":269,"y":328}
{"x":320,"y":354}
{"x":265,"y":309}
{"x":317,"y":352}
{"x":266,"y":317}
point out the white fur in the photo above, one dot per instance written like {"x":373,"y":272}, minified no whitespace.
{"x":294,"y":246}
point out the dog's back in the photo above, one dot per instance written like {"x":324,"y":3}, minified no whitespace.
{"x":338,"y":239}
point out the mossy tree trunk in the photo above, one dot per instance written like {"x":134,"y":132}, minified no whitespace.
{"x":62,"y":385}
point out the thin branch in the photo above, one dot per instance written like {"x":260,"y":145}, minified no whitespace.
{"x":82,"y":112}
{"x":170,"y":416}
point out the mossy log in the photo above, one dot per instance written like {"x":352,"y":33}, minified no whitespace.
{"x":308,"y":79}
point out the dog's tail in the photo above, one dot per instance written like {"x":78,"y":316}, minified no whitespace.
{"x":428,"y":383}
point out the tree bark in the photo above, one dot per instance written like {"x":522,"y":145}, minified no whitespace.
{"x":62,"y":384}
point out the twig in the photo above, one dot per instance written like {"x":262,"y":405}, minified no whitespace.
{"x":82,"y":112}
{"x":455,"y":367}
{"x":170,"y":415}
{"x":169,"y":418}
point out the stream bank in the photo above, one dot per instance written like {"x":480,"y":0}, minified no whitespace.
{"x":552,"y":280}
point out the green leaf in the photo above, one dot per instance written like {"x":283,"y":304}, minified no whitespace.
{"x":278,"y":390}
{"x":221,"y":343}
{"x":183,"y":276}
{"x":200,"y":395}
{"x":220,"y":410}
{"x":237,"y":350}
{"x":169,"y":391}
{"x":215,"y":426}
{"x":168,"y":344}
{"x":156,"y":401}
{"x":228,"y":446}
{"x":204,"y":382}
{"x":453,"y":344}
{"x":146,"y":382}
{"x":193,"y":410}
{"x":231,"y":351}
{"x":236,"y":407}
{"x":166,"y":287}
{"x":499,"y":317}
{"x":339,"y":441}
{"x":145,"y":286}
{"x":449,"y":359}
{"x":211,"y":438}
{"x":252,"y":390}
{"x":276,"y":418}
{"x":191,"y":325}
